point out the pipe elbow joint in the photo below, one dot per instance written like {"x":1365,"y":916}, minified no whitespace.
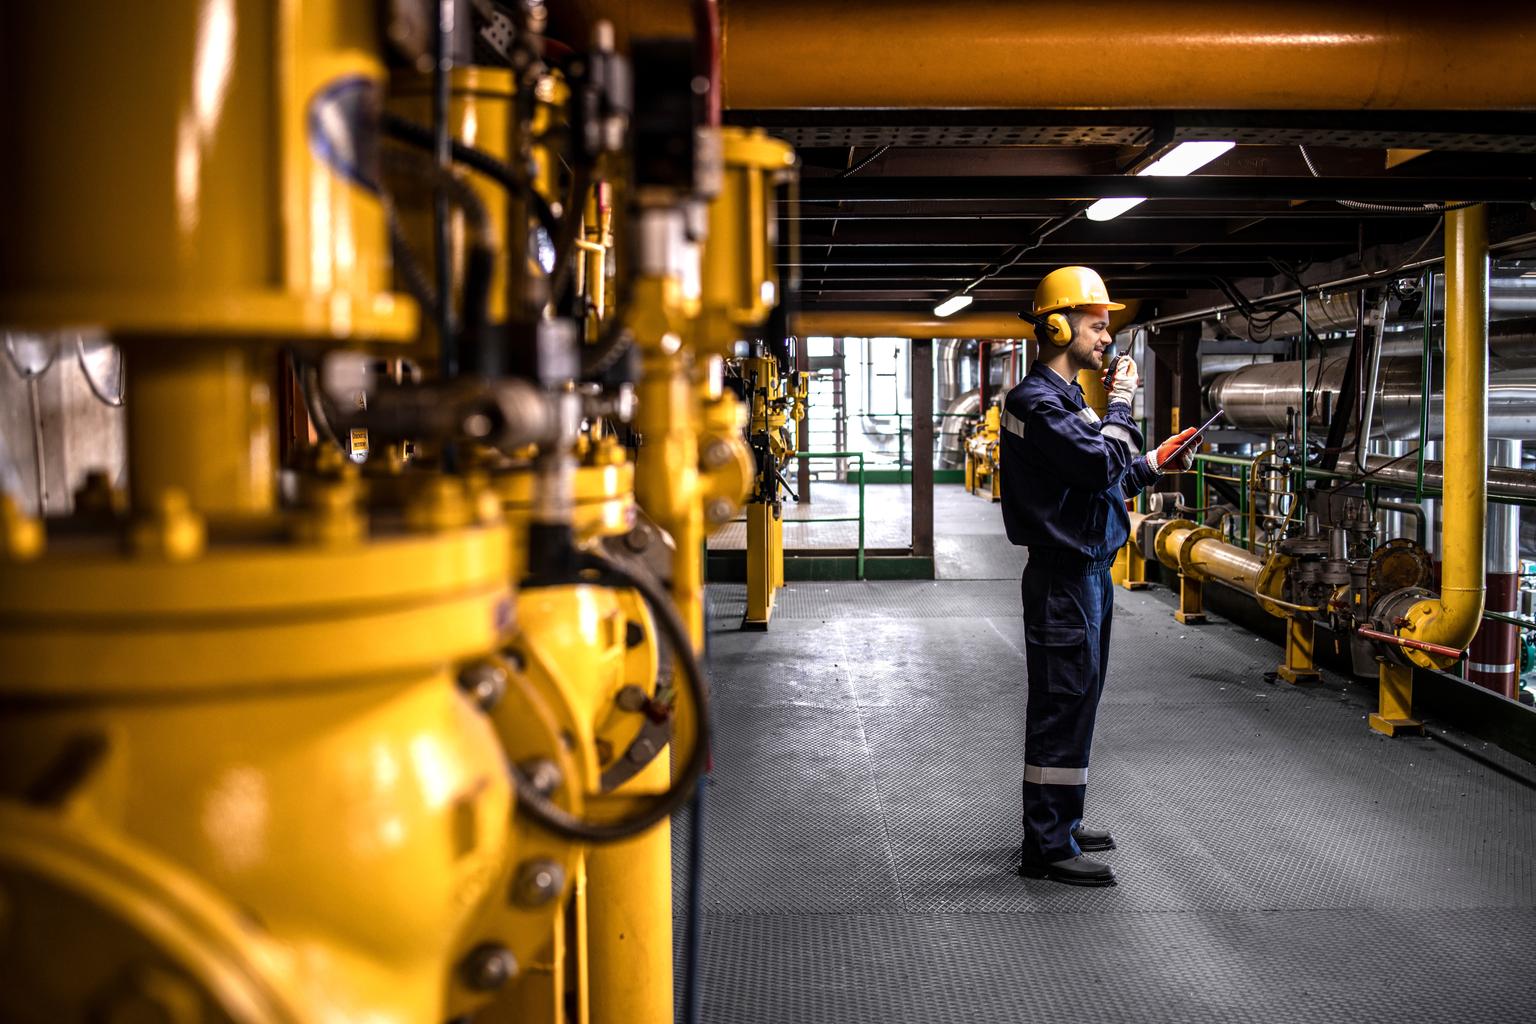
{"x":1451,"y":620}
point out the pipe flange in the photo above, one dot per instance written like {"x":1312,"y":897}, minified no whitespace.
{"x":1388,"y":612}
{"x":1271,"y":584}
{"x":1399,"y":564}
{"x":1162,"y":541}
{"x":1187,"y":549}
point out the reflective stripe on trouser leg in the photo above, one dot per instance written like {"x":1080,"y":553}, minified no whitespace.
{"x":1047,"y":776}
{"x":1067,"y":626}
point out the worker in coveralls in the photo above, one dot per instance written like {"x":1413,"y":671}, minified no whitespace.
{"x":1066,"y":475}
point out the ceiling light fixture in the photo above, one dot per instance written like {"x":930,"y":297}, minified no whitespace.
{"x":1183,"y":159}
{"x":955,"y":302}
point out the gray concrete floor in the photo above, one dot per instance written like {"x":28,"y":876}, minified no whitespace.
{"x":1278,"y":860}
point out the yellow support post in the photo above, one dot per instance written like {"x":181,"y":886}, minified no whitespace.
{"x":1394,"y":712}
{"x":1191,"y":600}
{"x":629,"y":919}
{"x":1299,"y":666}
{"x":1130,"y":569}
{"x":762,"y":580}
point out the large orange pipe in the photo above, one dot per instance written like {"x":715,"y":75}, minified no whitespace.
{"x":1300,"y":55}
{"x":1128,"y":54}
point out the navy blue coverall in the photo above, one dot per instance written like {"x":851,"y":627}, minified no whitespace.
{"x":1066,"y":474}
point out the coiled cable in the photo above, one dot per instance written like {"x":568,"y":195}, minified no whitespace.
{"x":555,"y":819}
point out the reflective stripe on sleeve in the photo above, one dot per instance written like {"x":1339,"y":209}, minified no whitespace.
{"x":1013,"y":424}
{"x":1087,"y":415}
{"x":1121,"y":434}
{"x":1055,"y":776}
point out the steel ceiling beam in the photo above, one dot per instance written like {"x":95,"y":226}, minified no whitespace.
{"x":1085,"y":232}
{"x":1205,"y":186}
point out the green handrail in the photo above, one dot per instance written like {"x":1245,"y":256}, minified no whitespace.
{"x":859,"y":563}
{"x":902,"y":431}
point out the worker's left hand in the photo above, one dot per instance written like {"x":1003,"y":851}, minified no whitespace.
{"x":1122,"y":379}
{"x":1160,"y":456}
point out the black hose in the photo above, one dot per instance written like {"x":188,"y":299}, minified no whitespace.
{"x":504,"y":174}
{"x":555,"y":819}
{"x":480,"y":258}
{"x":314,"y":401}
{"x":600,"y":357}
{"x":412,"y":273}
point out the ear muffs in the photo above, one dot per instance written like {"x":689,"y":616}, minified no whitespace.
{"x":1058,"y":329}
{"x":1055,"y":329}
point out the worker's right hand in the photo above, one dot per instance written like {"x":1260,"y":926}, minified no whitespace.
{"x":1159,"y":458}
{"x":1122,"y":379}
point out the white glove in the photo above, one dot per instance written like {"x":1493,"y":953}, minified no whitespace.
{"x":1122,"y":380}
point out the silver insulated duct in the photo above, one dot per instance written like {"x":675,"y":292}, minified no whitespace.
{"x":1265,"y":398}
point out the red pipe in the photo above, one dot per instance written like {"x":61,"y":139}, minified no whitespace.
{"x":983,"y":361}
{"x":1417,"y":645}
{"x":1493,"y":660}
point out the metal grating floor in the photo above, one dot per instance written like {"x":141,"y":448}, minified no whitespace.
{"x":1278,"y":861}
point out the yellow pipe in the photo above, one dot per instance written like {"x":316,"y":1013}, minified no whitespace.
{"x":200,"y":420}
{"x":629,"y":920}
{"x":1452,"y":618}
{"x":869,"y":324}
{"x":875,"y":324}
{"x":200,"y":204}
{"x":1414,"y":55}
{"x":1180,"y":545}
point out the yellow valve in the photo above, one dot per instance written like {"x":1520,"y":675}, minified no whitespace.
{"x":740,"y":283}
{"x":982,"y":454}
{"x":726,"y":465}
{"x":201,"y":713}
{"x":206,"y":206}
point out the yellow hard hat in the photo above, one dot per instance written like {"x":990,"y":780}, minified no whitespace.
{"x":1069,"y":287}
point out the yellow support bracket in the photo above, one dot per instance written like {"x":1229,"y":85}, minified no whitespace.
{"x":1299,"y":666}
{"x":1394,"y":708}
{"x":1191,"y":601}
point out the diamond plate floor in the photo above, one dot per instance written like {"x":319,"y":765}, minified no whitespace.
{"x":1278,"y":860}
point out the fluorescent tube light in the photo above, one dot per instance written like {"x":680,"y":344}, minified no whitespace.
{"x":1183,"y":159}
{"x":953,"y":303}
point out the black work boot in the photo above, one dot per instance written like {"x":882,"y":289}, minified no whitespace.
{"x":1077,"y":870}
{"x":1091,"y":840}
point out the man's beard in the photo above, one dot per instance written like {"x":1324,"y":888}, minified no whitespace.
{"x":1083,"y":359}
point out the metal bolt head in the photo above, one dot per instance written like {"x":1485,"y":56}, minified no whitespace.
{"x":485,"y":682}
{"x":642,"y":750}
{"x":488,"y":967}
{"x":543,"y":774}
{"x":719,"y":510}
{"x":716,"y":453}
{"x":630,"y":698}
{"x":538,"y":881}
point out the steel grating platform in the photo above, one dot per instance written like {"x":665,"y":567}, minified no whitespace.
{"x":1278,"y":860}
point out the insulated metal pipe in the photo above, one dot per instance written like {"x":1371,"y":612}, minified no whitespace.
{"x":1510,"y":296}
{"x":1324,"y":288}
{"x":1261,"y":398}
